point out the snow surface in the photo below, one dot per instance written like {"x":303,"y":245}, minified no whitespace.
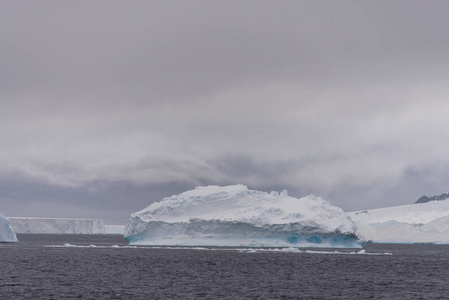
{"x":7,"y":234}
{"x":236,"y":216}
{"x":414,"y":223}
{"x":57,"y":225}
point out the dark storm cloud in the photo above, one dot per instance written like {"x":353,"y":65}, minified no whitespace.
{"x":112,"y":201}
{"x":343,"y":99}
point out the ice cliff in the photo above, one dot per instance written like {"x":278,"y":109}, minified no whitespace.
{"x":57,"y":225}
{"x":415,"y":223}
{"x":7,"y":234}
{"x":236,"y":216}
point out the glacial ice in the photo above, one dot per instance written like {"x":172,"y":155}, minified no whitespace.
{"x":7,"y":234}
{"x":236,"y":216}
{"x":57,"y":225}
{"x":415,"y":223}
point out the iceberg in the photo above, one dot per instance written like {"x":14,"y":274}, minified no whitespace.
{"x":414,"y":223}
{"x":236,"y":216}
{"x":57,"y":225}
{"x":7,"y":234}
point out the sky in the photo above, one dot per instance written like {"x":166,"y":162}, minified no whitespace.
{"x":108,"y":106}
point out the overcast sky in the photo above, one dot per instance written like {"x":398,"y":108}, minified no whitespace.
{"x":107,"y":106}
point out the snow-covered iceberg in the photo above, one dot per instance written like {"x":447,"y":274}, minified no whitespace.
{"x":7,"y":234}
{"x":415,"y":223}
{"x":236,"y":216}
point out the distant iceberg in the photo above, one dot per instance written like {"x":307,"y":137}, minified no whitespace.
{"x":236,"y":216}
{"x":57,"y":225}
{"x":414,"y":223}
{"x":7,"y":234}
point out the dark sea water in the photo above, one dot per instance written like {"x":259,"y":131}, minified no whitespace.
{"x":46,"y":267}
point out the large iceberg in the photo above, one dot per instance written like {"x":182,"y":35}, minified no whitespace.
{"x":7,"y":234}
{"x":414,"y":223}
{"x":236,"y":216}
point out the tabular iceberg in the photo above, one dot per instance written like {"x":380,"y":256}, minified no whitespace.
{"x":57,"y":225}
{"x":415,"y":223}
{"x":7,"y":234}
{"x":236,"y":216}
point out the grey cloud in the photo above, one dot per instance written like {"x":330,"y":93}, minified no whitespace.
{"x":174,"y":48}
{"x":340,"y":99}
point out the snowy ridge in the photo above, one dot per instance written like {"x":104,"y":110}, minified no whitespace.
{"x":7,"y":234}
{"x":236,"y":216}
{"x":414,"y":223}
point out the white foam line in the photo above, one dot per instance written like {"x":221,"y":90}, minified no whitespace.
{"x":311,"y":252}
{"x":67,"y":245}
{"x":242,"y":250}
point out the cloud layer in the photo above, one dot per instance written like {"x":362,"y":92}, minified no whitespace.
{"x":107,"y":106}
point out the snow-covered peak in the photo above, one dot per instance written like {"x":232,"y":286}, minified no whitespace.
{"x":425,"y":199}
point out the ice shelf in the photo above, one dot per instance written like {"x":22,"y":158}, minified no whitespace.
{"x":57,"y":225}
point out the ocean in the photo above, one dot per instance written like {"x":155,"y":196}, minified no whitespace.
{"x":106,"y":267}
